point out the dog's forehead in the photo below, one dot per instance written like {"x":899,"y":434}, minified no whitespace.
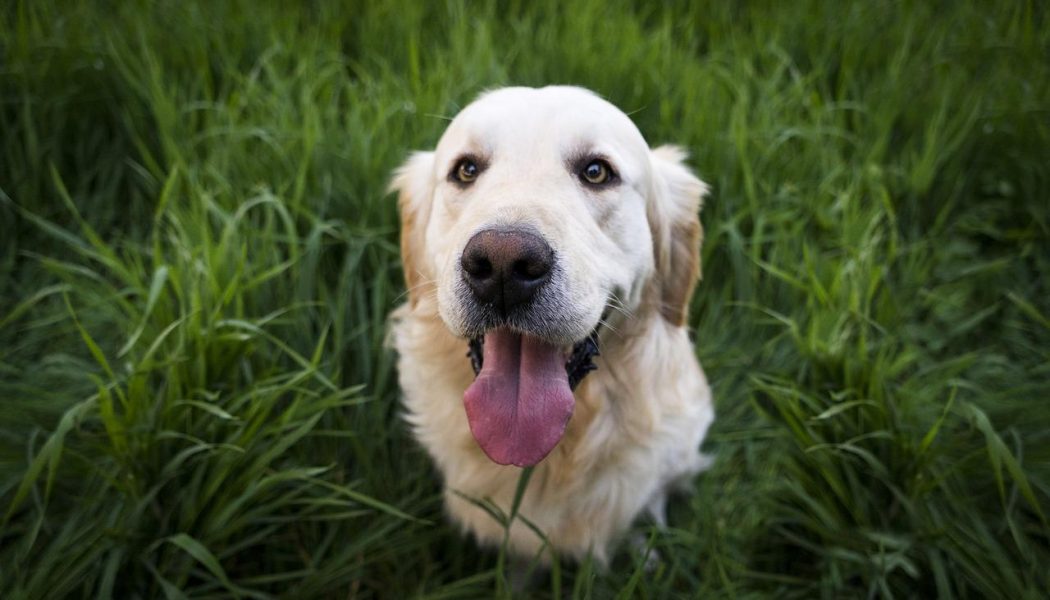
{"x":562,"y":116}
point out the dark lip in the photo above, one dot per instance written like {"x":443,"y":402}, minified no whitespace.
{"x":579,"y":363}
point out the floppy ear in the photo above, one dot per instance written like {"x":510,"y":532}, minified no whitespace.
{"x":412,"y":183}
{"x":674,"y":217}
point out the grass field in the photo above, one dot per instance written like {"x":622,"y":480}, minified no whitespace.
{"x":197,"y":255}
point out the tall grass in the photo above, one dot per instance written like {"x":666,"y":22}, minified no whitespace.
{"x":198,"y":256}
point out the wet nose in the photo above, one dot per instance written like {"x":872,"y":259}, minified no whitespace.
{"x":505,"y":267}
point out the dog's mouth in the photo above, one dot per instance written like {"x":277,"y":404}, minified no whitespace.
{"x":521,"y":399}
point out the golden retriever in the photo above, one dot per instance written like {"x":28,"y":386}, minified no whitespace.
{"x":541,"y":230}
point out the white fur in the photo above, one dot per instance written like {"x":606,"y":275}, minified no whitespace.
{"x":639,"y":419}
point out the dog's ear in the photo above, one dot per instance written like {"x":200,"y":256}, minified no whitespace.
{"x":412,"y":182}
{"x":674,"y":216}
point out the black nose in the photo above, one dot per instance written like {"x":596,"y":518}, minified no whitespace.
{"x":505,"y":267}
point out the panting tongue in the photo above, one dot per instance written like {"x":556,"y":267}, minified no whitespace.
{"x":520,"y":402}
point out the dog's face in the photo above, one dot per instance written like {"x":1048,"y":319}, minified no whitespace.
{"x":538,"y":212}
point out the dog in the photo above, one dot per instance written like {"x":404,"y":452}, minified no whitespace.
{"x":550,"y":256}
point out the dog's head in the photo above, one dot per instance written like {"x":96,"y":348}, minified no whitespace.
{"x":539,"y":210}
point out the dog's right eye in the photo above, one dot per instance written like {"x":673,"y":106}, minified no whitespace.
{"x":465,"y":171}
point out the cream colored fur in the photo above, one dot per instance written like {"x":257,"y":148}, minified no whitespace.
{"x":640,"y":417}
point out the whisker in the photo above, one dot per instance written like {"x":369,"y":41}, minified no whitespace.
{"x":609,"y":326}
{"x":416,"y":287}
{"x":618,"y":305}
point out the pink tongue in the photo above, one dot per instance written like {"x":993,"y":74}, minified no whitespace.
{"x":520,"y":402}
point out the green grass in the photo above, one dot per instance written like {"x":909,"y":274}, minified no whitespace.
{"x":198,"y":255}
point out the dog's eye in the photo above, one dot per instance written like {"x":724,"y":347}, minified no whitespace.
{"x":466,"y":171}
{"x":596,"y":172}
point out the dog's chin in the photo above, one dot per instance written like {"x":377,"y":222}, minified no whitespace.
{"x":522,"y":396}
{"x":526,"y":371}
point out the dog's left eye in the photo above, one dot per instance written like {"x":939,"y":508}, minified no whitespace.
{"x":596,"y":172}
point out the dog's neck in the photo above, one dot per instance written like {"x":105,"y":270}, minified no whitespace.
{"x":638,"y":353}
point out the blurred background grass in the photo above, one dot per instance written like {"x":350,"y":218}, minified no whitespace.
{"x":197,"y":255}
